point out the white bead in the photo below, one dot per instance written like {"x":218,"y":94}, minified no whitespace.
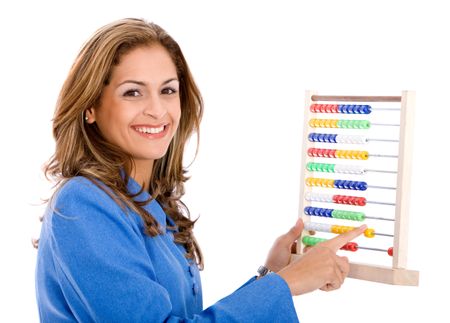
{"x":349,"y":169}
{"x":317,"y":197}
{"x":351,"y":139}
{"x":320,"y":227}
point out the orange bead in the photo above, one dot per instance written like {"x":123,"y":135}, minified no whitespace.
{"x":369,"y":233}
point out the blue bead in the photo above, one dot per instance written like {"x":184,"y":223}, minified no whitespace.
{"x":367,"y":109}
{"x":329,"y":213}
{"x":333,"y":138}
{"x":362,"y":186}
{"x":307,"y":210}
{"x":340,"y":108}
{"x":321,"y":137}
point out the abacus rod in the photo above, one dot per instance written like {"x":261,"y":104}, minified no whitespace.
{"x":356,"y":98}
{"x":384,"y":234}
{"x":383,"y":203}
{"x":382,"y":187}
{"x":383,"y":156}
{"x":381,"y":171}
{"x":388,"y":140}
{"x":385,"y":124}
{"x":379,"y":218}
{"x":374,"y":249}
{"x":387,"y":109}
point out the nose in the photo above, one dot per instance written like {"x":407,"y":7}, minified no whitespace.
{"x":155,"y":107}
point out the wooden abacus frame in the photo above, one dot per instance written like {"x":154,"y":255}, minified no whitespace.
{"x":397,"y":274}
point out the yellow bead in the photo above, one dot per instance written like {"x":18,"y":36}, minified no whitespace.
{"x":364,"y":155}
{"x":369,"y":233}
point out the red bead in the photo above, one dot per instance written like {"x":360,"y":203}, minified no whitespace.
{"x":346,"y":199}
{"x":391,"y":251}
{"x":334,"y":108}
{"x":361,"y":201}
{"x":313,"y":108}
{"x":311,"y":152}
{"x":350,"y":246}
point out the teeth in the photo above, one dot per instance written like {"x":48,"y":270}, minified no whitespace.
{"x":150,"y":130}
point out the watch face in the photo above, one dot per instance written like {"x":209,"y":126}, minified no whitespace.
{"x":262,"y":270}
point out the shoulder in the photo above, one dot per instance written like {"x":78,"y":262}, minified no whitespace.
{"x":80,"y":194}
{"x":78,"y":185}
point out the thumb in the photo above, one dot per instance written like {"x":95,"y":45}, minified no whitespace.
{"x":294,"y":233}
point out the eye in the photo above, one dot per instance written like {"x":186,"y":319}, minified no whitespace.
{"x":132,"y":93}
{"x":168,"y":90}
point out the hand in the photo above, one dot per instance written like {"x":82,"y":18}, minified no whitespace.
{"x":280,"y":253}
{"x":320,"y":267}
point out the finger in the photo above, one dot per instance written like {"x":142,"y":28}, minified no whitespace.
{"x":343,"y":265}
{"x":294,"y":233}
{"x":339,"y":241}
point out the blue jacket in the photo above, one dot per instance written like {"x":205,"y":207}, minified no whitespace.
{"x":95,"y":264}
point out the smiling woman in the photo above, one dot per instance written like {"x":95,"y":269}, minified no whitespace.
{"x":117,"y":242}
{"x":139,"y":110}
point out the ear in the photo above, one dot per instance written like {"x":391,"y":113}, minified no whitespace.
{"x":89,"y":115}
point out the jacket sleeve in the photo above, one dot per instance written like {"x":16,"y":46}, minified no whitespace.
{"x":106,"y":275}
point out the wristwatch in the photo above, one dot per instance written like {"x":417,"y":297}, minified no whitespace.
{"x":262,"y":271}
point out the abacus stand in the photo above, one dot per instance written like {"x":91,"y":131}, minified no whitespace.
{"x":397,"y":274}
{"x":386,"y":275}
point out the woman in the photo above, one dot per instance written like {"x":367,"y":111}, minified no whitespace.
{"x":117,"y":243}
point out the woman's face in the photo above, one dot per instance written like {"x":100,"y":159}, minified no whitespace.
{"x":140,"y":109}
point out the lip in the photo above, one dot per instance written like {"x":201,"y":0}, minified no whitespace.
{"x":151,"y":135}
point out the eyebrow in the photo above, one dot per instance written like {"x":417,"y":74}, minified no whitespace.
{"x":144,"y":84}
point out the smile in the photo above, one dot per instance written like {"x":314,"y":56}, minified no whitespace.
{"x":151,"y":131}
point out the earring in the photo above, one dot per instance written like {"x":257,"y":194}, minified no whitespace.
{"x":86,"y":118}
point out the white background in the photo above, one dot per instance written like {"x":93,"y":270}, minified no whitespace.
{"x":253,"y":61}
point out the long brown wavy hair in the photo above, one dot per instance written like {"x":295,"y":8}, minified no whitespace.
{"x":81,"y":150}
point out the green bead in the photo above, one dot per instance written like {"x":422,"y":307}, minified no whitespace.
{"x":348,"y":215}
{"x":312,"y":241}
{"x":331,"y":168}
{"x":309,"y":166}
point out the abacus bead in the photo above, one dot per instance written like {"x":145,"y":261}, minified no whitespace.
{"x":359,"y":216}
{"x":391,"y":251}
{"x":365,"y":124}
{"x":362,"y":186}
{"x":352,"y":246}
{"x":369,"y":233}
{"x":361,"y":201}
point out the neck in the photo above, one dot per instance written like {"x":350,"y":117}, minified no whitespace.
{"x":142,"y":172}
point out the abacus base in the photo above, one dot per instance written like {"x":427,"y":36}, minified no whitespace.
{"x":385,"y":275}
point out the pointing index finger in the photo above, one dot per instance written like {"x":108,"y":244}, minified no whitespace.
{"x":338,"y":242}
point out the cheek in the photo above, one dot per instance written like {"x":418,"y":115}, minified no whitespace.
{"x":113,"y":124}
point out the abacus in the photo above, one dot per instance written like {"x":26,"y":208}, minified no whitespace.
{"x":356,"y":166}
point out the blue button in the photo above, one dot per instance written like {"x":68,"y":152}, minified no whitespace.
{"x":195,"y":288}
{"x":191,"y":271}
